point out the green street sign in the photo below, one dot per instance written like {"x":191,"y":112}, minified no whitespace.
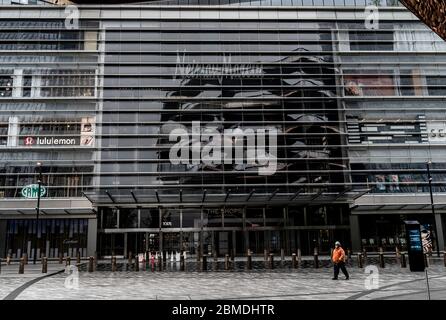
{"x":31,"y":191}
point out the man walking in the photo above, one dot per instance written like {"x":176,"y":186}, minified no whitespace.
{"x":338,"y":259}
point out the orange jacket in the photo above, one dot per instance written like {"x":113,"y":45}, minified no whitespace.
{"x":338,"y":255}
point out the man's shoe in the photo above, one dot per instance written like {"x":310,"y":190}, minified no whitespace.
{"x":347,"y":278}
{"x":334,"y":279}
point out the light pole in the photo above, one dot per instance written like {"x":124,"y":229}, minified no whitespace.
{"x":433,"y":206}
{"x":39,"y":185}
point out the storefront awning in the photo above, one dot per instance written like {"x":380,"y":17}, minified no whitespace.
{"x":154,"y":198}
{"x":70,"y":207}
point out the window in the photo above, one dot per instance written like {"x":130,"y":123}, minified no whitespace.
{"x":3,"y":134}
{"x":6,"y":82}
{"x":368,"y":83}
{"x":436,"y":85}
{"x":371,"y":41}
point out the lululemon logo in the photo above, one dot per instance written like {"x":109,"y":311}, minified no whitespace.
{"x":29,"y":141}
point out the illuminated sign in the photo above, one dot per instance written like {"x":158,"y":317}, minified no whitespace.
{"x":49,"y":141}
{"x":32,"y":191}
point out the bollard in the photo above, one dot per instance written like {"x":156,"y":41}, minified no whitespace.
{"x":282,"y":255}
{"x":25,"y":257}
{"x":265,"y":255}
{"x":113,"y":262}
{"x":78,"y":258}
{"x":294,"y":261}
{"x":426,"y":261}
{"x":22,"y":266}
{"x":299,"y":257}
{"x":249,"y":261}
{"x":271,"y":261}
{"x":204,"y":263}
{"x":8,"y":260}
{"x":90,"y":264}
{"x":227,"y":262}
{"x":403,"y":260}
{"x":316,"y":259}
{"x":182,"y":262}
{"x":68,"y":261}
{"x":60,"y":258}
{"x":44,"y":265}
{"x":444,"y":257}
{"x":129,"y":260}
{"x":136,"y":263}
{"x":360,"y":261}
{"x":160,"y":262}
{"x":382,"y":263}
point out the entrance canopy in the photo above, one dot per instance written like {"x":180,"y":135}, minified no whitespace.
{"x":49,"y":208}
{"x":155,"y":198}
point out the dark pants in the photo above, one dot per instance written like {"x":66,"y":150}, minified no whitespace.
{"x":340,"y":265}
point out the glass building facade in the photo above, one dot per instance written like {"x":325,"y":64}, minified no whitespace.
{"x":251,"y":125}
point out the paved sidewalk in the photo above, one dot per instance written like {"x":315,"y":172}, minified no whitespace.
{"x":308,"y":283}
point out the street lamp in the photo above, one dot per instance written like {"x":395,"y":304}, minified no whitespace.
{"x":433,"y":206}
{"x":39,"y":185}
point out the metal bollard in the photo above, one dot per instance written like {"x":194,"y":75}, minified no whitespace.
{"x":227,"y":262}
{"x":294,"y":261}
{"x":68,"y":261}
{"x":44,"y":265}
{"x":426,"y":261}
{"x":78,"y":258}
{"x":22,"y":266}
{"x":282,"y":255}
{"x":90,"y":264}
{"x":182,"y":262}
{"x":204,"y":263}
{"x":382,"y":263}
{"x":129,"y":260}
{"x":160,"y":263}
{"x":271,"y":261}
{"x":113,"y":262}
{"x":316,"y":259}
{"x":136,"y":263}
{"x":403,"y":260}
{"x":265,"y":255}
{"x":25,"y":257}
{"x":360,"y":261}
{"x":60,"y":258}
{"x":299,"y":257}
{"x":249,"y":261}
{"x":444,"y":257}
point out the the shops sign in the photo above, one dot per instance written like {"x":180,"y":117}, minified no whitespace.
{"x":31,"y":191}
{"x":50,"y":141}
